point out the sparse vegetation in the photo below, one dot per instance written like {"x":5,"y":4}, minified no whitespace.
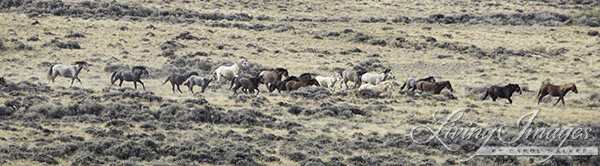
{"x":474,"y":44}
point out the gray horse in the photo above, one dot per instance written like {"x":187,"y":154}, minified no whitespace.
{"x":68,"y":71}
{"x":131,"y":76}
{"x":349,"y":75}
{"x":177,"y":80}
{"x":411,"y":83}
{"x":200,"y":81}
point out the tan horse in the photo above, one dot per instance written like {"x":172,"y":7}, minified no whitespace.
{"x":555,"y":90}
{"x":434,"y":87}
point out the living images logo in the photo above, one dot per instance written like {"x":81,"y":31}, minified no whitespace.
{"x":451,"y":129}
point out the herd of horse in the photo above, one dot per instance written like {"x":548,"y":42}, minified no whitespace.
{"x":280,"y":80}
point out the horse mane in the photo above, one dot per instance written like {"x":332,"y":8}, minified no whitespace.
{"x":138,"y":67}
{"x":360,"y":73}
{"x":80,"y":63}
{"x":566,"y":86}
{"x":386,"y":71}
{"x":192,"y":73}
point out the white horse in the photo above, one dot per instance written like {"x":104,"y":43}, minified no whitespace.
{"x":382,"y":86}
{"x":375,"y":79}
{"x":68,"y":71}
{"x":328,"y":82}
{"x":229,"y":72}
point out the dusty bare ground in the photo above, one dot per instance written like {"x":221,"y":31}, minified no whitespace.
{"x":472,"y":44}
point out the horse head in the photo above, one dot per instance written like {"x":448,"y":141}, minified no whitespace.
{"x":391,"y":75}
{"x":312,"y":81}
{"x":141,"y":69}
{"x":338,"y":77}
{"x":515,"y":87}
{"x":242,"y":63}
{"x":83,"y":64}
{"x":573,"y":87}
{"x":446,"y":84}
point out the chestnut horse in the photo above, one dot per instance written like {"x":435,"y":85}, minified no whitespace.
{"x":434,"y":87}
{"x":502,"y":92}
{"x":295,"y":85}
{"x":555,"y":90}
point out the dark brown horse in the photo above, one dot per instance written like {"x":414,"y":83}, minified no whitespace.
{"x":280,"y":85}
{"x":434,"y":87}
{"x":502,"y":92}
{"x":177,"y":80}
{"x":555,"y":90}
{"x":248,"y":85}
{"x":295,"y":85}
{"x":273,"y":75}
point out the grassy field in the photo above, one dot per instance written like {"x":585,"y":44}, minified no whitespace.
{"x":85,"y":124}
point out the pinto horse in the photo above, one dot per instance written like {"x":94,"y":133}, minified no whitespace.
{"x":555,"y":90}
{"x":68,"y":71}
{"x":502,"y":92}
{"x":434,"y":87}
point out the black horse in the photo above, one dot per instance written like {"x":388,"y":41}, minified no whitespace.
{"x":248,"y":84}
{"x":132,"y":76}
{"x":280,"y":85}
{"x":502,"y":92}
{"x":177,"y":80}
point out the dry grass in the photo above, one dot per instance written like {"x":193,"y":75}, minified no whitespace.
{"x":104,"y":41}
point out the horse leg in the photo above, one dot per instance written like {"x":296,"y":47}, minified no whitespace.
{"x":53,"y":77}
{"x":135,"y":85}
{"x":178,"y":89}
{"x":79,"y":80}
{"x":173,"y":88}
{"x":494,"y":98}
{"x":557,"y":101}
{"x":120,"y":83}
{"x":257,"y":91}
{"x":191,"y":86}
{"x":509,"y":100}
{"x":72,"y":80}
{"x":143,"y":85}
{"x":541,"y":96}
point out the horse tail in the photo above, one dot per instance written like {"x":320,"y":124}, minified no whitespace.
{"x":50,"y":72}
{"x":112,"y":77}
{"x":486,"y":95}
{"x":403,"y":85}
{"x":232,"y":81}
{"x":538,"y":94}
{"x":168,"y":80}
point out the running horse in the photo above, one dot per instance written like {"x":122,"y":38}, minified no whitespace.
{"x":132,"y":75}
{"x":68,"y":71}
{"x":434,"y":87}
{"x":555,"y":90}
{"x":502,"y":92}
